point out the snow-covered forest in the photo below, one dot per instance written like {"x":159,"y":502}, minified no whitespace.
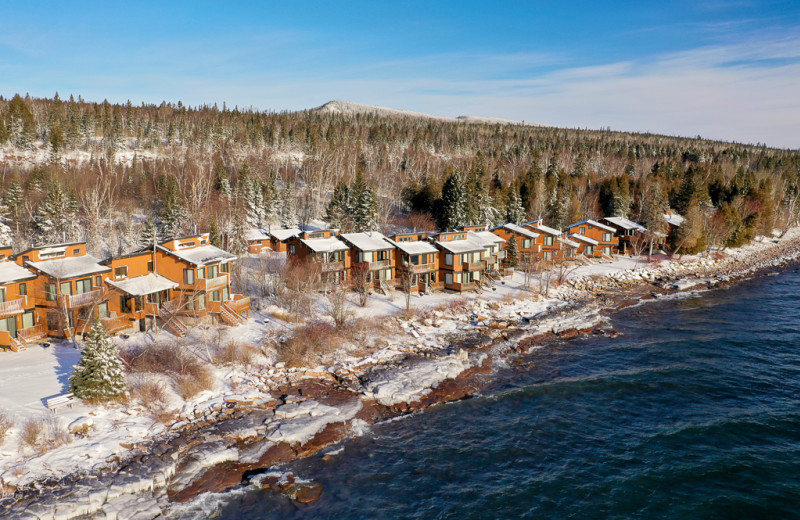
{"x":115,"y":174}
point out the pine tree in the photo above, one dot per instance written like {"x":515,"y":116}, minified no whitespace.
{"x":214,"y":236}
{"x":557,"y":208}
{"x":14,"y":200}
{"x":21,"y":127}
{"x":6,"y":236}
{"x":515,"y":213}
{"x":149,"y":234}
{"x":99,"y":374}
{"x":452,"y":206}
{"x":173,"y":213}
{"x":270,"y":197}
{"x":288,"y":205}
{"x":363,"y":204}
{"x":338,"y":213}
{"x":512,"y":251}
{"x":56,"y":219}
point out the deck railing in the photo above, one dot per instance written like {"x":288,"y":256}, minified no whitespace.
{"x":211,"y":284}
{"x":13,"y":306}
{"x":474,"y":266}
{"x":72,"y":301}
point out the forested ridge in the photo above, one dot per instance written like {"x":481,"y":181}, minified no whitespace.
{"x":116,"y":174}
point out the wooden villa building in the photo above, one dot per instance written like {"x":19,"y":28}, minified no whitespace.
{"x":461,"y":260}
{"x":325,"y":248}
{"x":416,"y":262}
{"x":374,"y":252}
{"x":18,"y":324}
{"x":548,"y":240}
{"x":607,"y":242}
{"x":625,"y":230}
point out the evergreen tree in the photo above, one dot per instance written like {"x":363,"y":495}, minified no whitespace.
{"x":14,"y":200}
{"x":6,"y":236}
{"x":214,"y":236}
{"x":363,"y":204}
{"x":338,"y":214}
{"x":452,"y":212}
{"x":56,"y":219}
{"x":223,"y":182}
{"x":149,"y":234}
{"x":557,"y":208}
{"x":270,"y":197}
{"x":615,"y":197}
{"x":515,"y":213}
{"x":173,"y":215}
{"x":21,"y":125}
{"x":99,"y":374}
{"x":512,"y":252}
{"x":288,"y":205}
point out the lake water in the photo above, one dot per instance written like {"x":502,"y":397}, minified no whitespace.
{"x":692,"y":413}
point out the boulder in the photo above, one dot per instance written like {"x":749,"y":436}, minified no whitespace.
{"x":308,"y":492}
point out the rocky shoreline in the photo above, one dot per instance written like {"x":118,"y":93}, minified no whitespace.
{"x":295,"y":413}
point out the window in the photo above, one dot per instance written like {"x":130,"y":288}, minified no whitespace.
{"x":448,"y":278}
{"x":125,"y":304}
{"x":582,"y":230}
{"x":607,"y":251}
{"x":214,"y":296}
{"x":588,"y":250}
{"x":448,"y":259}
{"x":76,"y":251}
{"x":548,"y":255}
{"x":316,"y":235}
{"x":50,"y":292}
{"x":25,"y":260}
{"x":415,"y":259}
{"x":548,"y":240}
{"x":98,"y":281}
{"x":213,"y":271}
{"x":526,"y":243}
{"x":226,"y":294}
{"x":120,"y":272}
{"x":65,"y":288}
{"x":23,"y":289}
{"x":83,"y":286}
{"x":188,"y":276}
{"x":225,"y":268}
{"x":102,"y":310}
{"x":606,"y":237}
{"x":150,"y":266}
{"x":27,"y":320}
{"x":2,"y":295}
{"x":201,"y":273}
{"x":291,"y":250}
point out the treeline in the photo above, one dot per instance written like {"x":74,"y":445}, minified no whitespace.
{"x":115,"y":174}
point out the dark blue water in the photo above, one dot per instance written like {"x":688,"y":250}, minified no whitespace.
{"x":692,"y":413}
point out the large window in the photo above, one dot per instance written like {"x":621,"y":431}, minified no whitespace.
{"x":526,"y":243}
{"x":66,"y":288}
{"x":120,"y":272}
{"x":606,"y":237}
{"x":548,"y":240}
{"x":213,"y":271}
{"x":188,"y":276}
{"x":23,"y":289}
{"x":448,"y":259}
{"x":83,"y":286}
{"x":50,"y":292}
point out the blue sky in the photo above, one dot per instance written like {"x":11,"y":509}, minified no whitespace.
{"x":727,"y":70}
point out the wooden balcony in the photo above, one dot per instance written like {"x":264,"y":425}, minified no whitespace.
{"x":378,"y":264}
{"x":151,"y":309}
{"x":328,"y":267}
{"x":421,"y":268}
{"x":12,"y":307}
{"x":73,"y":301}
{"x":211,"y":284}
{"x":32,"y":334}
{"x":474,"y":266}
{"x":239,"y":304}
{"x":115,"y":324}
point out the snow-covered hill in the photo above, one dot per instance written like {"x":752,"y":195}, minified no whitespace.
{"x":350,"y":108}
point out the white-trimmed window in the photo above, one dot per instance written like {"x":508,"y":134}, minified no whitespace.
{"x":548,"y":240}
{"x":121,"y":272}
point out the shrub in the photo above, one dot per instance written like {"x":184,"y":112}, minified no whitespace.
{"x":309,"y":344}
{"x":236,"y":353}
{"x":189,"y":385}
{"x":31,"y":431}
{"x":6,"y":423}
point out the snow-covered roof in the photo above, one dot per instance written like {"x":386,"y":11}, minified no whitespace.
{"x":490,"y":237}
{"x":584,"y":239}
{"x":519,"y":230}
{"x":471,"y":243}
{"x":369,"y":241}
{"x":415,"y":247}
{"x":325,"y":245}
{"x":624,"y":223}
{"x":256,"y":234}
{"x":11,"y":272}
{"x":570,"y":243}
{"x":544,"y":229}
{"x":141,"y":285}
{"x":284,"y":234}
{"x":202,"y":255}
{"x":593,"y":223}
{"x":70,"y":267}
{"x":674,"y":219}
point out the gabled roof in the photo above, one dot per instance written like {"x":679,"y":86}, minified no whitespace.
{"x":568,"y":242}
{"x":415,"y":247}
{"x":593,"y":223}
{"x":142,"y":285}
{"x":470,"y":244}
{"x":541,"y":227}
{"x":624,"y":223}
{"x":584,"y":239}
{"x":674,"y":219}
{"x":368,"y":241}
{"x":256,"y":234}
{"x":490,"y":237}
{"x":284,"y":234}
{"x":11,"y":272}
{"x":200,"y":256}
{"x":70,"y":267}
{"x":518,"y":230}
{"x":325,"y":245}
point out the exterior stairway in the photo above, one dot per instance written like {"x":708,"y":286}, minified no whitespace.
{"x":230,"y":316}
{"x":168,"y":315}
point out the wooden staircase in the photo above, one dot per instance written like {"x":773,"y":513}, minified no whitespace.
{"x":167,"y":313}
{"x":17,"y":346}
{"x":583,"y":259}
{"x":230,"y":316}
{"x":382,"y":287}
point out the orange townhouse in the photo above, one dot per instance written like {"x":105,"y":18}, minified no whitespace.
{"x":416,"y":263}
{"x":527,"y":248}
{"x":68,"y":292}
{"x":461,"y":260}
{"x":279,"y":238}
{"x":202,"y":272}
{"x":607,"y":242}
{"x":372,"y":251}
{"x":625,"y":231}
{"x":674,"y":221}
{"x":258,"y":241}
{"x":587,"y":247}
{"x":18,"y":325}
{"x":325,"y":248}
{"x":548,"y":240}
{"x":138,"y":291}
{"x":495,"y":254}
{"x":569,"y":248}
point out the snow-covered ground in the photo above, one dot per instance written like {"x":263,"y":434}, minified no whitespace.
{"x":28,"y":378}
